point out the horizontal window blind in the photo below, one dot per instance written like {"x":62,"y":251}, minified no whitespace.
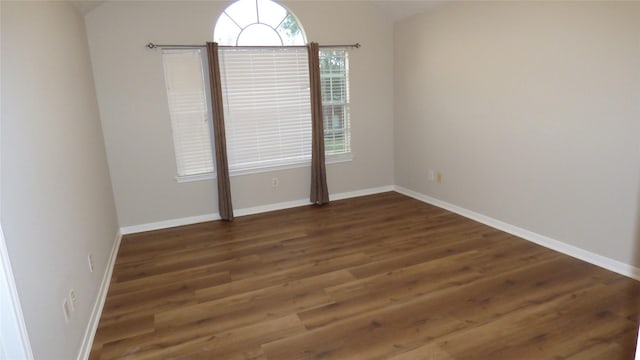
{"x":267,"y":106}
{"x":334,"y":84}
{"x":188,"y":107}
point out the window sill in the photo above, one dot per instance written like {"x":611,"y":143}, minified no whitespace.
{"x":330,"y":159}
{"x":195,"y":177}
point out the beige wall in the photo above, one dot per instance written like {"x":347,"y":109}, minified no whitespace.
{"x":531,"y":110}
{"x":133,"y":106}
{"x":57,"y":204}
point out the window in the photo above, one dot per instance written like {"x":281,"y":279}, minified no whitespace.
{"x":257,"y":22}
{"x":334,"y":82}
{"x":187,"y":94}
{"x":265,"y":94}
{"x":266,"y":107}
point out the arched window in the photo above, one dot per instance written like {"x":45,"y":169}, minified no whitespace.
{"x":258,"y":22}
{"x":266,"y":90}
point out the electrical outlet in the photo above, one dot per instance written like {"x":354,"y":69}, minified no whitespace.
{"x":274,"y":182}
{"x":90,"y":260}
{"x":432,"y":176}
{"x":65,"y":310}
{"x":72,"y":297}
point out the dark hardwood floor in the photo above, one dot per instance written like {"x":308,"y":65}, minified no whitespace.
{"x":376,"y":277}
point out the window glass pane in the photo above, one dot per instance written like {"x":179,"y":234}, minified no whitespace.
{"x":243,"y":12}
{"x":290,"y":31}
{"x":259,"y":34}
{"x":226,"y":31}
{"x":270,"y":13}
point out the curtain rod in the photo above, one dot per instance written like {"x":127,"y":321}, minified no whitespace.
{"x":153,"y":46}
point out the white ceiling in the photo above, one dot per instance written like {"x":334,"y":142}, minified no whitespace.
{"x":394,"y":9}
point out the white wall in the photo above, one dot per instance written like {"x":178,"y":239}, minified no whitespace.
{"x":531,"y":110}
{"x":57,"y":203}
{"x":14,"y":340}
{"x":135,"y":117}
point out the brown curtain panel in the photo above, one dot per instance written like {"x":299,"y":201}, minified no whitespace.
{"x":219,"y":138}
{"x":319,"y":191}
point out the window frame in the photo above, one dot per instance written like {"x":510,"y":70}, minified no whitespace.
{"x":208,"y":114}
{"x":345,"y":103}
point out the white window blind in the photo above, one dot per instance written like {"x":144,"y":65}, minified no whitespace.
{"x":187,"y":93}
{"x":334,"y":84}
{"x":266,"y":106}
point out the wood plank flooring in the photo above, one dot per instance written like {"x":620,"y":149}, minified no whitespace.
{"x":375,"y":277}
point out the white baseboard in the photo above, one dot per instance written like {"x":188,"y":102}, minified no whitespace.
{"x":246,"y":211}
{"x":271,"y":207}
{"x":165,"y":224}
{"x":573,"y":251}
{"x":94,"y":320}
{"x":364,"y":192}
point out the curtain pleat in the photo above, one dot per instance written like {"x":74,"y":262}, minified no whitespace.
{"x":319,"y":190}
{"x":219,"y":138}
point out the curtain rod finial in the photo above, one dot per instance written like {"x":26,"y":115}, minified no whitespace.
{"x":151,"y":45}
{"x":357,"y":45}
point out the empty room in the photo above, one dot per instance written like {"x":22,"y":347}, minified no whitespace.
{"x":263,"y":179}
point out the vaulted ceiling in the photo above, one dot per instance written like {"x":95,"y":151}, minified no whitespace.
{"x":394,"y":9}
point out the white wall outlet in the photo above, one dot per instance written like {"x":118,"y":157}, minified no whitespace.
{"x":73,"y":298}
{"x":65,"y":310}
{"x":90,"y":260}
{"x":274,"y":182}
{"x":432,"y":175}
